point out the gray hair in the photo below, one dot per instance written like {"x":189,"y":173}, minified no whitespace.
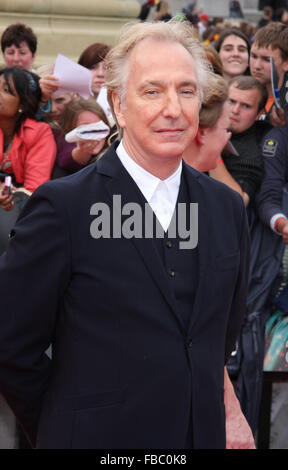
{"x":117,"y":64}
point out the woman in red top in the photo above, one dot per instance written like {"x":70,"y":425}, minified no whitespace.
{"x":27,"y":147}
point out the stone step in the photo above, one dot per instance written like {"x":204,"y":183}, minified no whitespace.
{"x":250,"y":4}
{"x":252,"y":15}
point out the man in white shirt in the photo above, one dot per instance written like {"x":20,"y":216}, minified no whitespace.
{"x":141,"y":322}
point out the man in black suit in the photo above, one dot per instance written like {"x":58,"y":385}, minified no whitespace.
{"x":135,"y":270}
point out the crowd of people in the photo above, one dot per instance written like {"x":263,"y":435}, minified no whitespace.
{"x":35,"y":119}
{"x":237,"y":136}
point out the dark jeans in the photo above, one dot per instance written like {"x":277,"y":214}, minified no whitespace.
{"x":8,"y":219}
{"x":7,"y":222}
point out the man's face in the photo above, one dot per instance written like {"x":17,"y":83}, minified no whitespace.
{"x":260,"y":64}
{"x":243,"y":108}
{"x":280,"y":64}
{"x":160,"y":110}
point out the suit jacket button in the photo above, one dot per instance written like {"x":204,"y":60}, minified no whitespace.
{"x":190,"y":343}
{"x":172,"y":273}
{"x":169,"y":244}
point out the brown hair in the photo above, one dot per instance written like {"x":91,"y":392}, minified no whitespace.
{"x":231,"y":32}
{"x":93,"y":54}
{"x":213,"y":106}
{"x":214,"y":59}
{"x":17,"y":33}
{"x":268,"y":35}
{"x":268,"y":11}
{"x":282,"y":43}
{"x":77,"y":105}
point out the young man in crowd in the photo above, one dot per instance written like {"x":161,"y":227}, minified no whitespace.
{"x":275,"y":155}
{"x":261,"y":51}
{"x":246,"y":100}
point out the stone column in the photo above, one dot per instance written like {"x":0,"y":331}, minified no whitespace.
{"x":68,"y":27}
{"x":214,"y":8}
{"x":116,"y":8}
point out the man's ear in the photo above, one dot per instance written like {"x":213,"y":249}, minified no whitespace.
{"x":200,"y":136}
{"x":118,"y":109}
{"x":284,"y":66}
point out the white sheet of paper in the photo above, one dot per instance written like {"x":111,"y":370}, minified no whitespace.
{"x":93,"y":131}
{"x":103,"y":102}
{"x":72,"y":77}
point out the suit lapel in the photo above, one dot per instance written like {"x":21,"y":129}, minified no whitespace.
{"x":197,"y":195}
{"x":121,"y":183}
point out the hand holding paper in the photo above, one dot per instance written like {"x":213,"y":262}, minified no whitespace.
{"x":94,"y":131}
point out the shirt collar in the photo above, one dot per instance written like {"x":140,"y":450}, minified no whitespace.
{"x":146,"y":182}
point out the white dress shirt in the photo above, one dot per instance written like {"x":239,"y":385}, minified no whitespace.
{"x":160,"y":194}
